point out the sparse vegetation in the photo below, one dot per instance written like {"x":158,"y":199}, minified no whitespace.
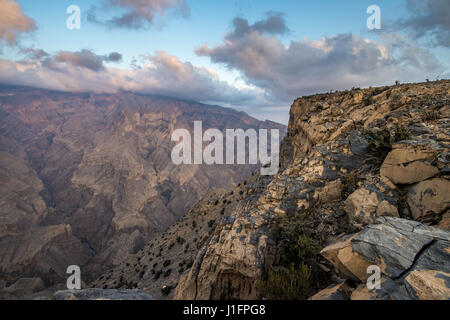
{"x":287,"y":283}
{"x":297,"y":274}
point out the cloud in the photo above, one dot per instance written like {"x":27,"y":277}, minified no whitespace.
{"x":82,"y":71}
{"x":273,"y":24}
{"x":428,"y":20}
{"x":58,"y":62}
{"x":140,"y":14}
{"x":13,"y":22}
{"x":305,"y":67}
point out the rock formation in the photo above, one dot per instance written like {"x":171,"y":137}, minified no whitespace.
{"x":359,"y":167}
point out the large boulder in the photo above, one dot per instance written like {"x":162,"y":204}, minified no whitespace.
{"x":414,"y":260}
{"x":368,"y":203}
{"x":346,"y":260}
{"x":428,"y":199}
{"x":408,"y":163}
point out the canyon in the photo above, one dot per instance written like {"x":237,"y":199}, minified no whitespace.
{"x":87,"y":179}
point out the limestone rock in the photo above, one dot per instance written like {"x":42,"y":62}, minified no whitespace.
{"x":413,"y":259}
{"x":343,"y":257}
{"x":368,"y":203}
{"x":406,"y":164}
{"x":428,"y":199}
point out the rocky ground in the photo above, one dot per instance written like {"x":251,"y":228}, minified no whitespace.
{"x":364,"y":181}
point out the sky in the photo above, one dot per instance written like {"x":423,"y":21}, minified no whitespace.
{"x":254,"y":56}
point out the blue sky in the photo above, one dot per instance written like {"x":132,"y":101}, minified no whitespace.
{"x":179,"y":35}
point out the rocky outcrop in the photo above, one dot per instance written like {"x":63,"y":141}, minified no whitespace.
{"x":332,"y":176}
{"x":413,"y":259}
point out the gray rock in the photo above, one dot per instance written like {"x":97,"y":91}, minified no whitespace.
{"x":394,"y":243}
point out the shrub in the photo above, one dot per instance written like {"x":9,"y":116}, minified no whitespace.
{"x":294,"y":245}
{"x":211,"y":223}
{"x":379,"y":142}
{"x":400,"y":133}
{"x":166,"y":263}
{"x":287,"y":283}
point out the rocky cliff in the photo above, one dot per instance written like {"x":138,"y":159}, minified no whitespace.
{"x":364,"y":182}
{"x":87,"y":179}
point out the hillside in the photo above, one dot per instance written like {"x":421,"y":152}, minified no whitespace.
{"x":364,"y":181}
{"x":87,"y":179}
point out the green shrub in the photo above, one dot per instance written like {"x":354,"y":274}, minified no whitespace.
{"x":287,"y":283}
{"x":380,"y":142}
{"x":294,"y":245}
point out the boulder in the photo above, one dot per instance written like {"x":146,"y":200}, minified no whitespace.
{"x":428,"y":199}
{"x":407,"y":164}
{"x":350,"y":263}
{"x":414,"y":260}
{"x":368,"y":203}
